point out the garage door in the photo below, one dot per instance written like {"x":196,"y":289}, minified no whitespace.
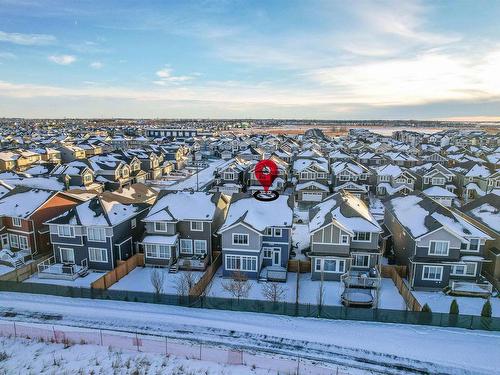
{"x":312,"y":197}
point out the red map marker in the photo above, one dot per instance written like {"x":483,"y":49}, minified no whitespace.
{"x":266,"y":172}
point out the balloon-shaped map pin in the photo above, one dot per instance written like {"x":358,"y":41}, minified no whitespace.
{"x":266,"y":172}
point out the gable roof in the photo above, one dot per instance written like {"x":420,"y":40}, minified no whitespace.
{"x":23,"y":201}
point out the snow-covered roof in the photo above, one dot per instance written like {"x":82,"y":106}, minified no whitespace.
{"x":346,"y":211}
{"x":22,"y":202}
{"x":259,"y":215}
{"x":438,"y":191}
{"x":183,"y":205}
{"x":162,"y":240}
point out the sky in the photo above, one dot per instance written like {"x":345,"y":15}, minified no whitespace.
{"x":321,"y":59}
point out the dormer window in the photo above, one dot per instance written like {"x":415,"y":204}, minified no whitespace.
{"x":16,"y":222}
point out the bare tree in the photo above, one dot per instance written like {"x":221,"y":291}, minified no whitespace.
{"x":238,"y":286}
{"x":273,"y":291}
{"x":157,"y":280}
{"x":321,"y":291}
{"x":184,"y":282}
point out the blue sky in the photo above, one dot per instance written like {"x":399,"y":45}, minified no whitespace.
{"x":250,"y":59}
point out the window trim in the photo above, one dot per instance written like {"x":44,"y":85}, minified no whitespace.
{"x":196,"y":222}
{"x":242,"y":259}
{"x":100,"y":249}
{"x":342,"y":237}
{"x":280,"y":232}
{"x":441,"y":268}
{"x":468,"y":249}
{"x":94,"y":228}
{"x":67,"y":248}
{"x":71,"y":229}
{"x":17,"y":222}
{"x":439,"y":241}
{"x":185,"y":241}
{"x":357,"y":233}
{"x":14,"y":244}
{"x":204,"y":243}
{"x":338,"y":261}
{"x":26,"y":242}
{"x":161,"y":223}
{"x":354,"y":262}
{"x":465,"y":264}
{"x":241,"y":234}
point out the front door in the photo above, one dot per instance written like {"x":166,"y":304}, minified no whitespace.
{"x":67,"y":255}
{"x":276,"y":257}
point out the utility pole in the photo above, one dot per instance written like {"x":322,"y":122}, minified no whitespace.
{"x":197,"y":178}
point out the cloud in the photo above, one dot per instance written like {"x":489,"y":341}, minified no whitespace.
{"x":62,"y":59}
{"x":96,"y":65}
{"x":165,"y":77}
{"x":7,"y":55}
{"x":27,"y":39}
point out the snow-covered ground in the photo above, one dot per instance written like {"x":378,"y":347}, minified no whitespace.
{"x":389,"y":297}
{"x":256,"y":291}
{"x":34,"y":357}
{"x":81,"y":282}
{"x":440,"y":302}
{"x":5,"y":269}
{"x":388,"y":348}
{"x":300,"y":239}
{"x":377,"y":208}
{"x":139,"y":280}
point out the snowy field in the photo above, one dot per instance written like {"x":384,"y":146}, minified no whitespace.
{"x":440,"y":302}
{"x":389,"y":297}
{"x":81,"y":282}
{"x":21,"y":356}
{"x":256,"y":292}
{"x":139,"y":280}
{"x":360,"y":346}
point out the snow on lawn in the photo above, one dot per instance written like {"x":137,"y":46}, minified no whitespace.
{"x":440,"y":302}
{"x":377,"y":208}
{"x":256,"y":290}
{"x":300,"y":239}
{"x":34,"y":357}
{"x":309,"y":291}
{"x":81,"y":282}
{"x":5,"y":269}
{"x":349,"y":342}
{"x":302,"y":215}
{"x":139,"y":280}
{"x":389,"y":297}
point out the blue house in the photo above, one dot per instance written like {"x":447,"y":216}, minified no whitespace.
{"x":256,"y":237}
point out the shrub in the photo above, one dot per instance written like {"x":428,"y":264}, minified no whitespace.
{"x":486,"y":311}
{"x":454,"y":307}
{"x":426,"y":308}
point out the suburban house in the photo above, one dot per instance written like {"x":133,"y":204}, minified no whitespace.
{"x":279,"y":182}
{"x":256,"y":237}
{"x":440,"y":248}
{"x":113,"y":172}
{"x":181,"y":229}
{"x":392,"y":179}
{"x":312,"y":177}
{"x":344,"y":237}
{"x":23,"y":212}
{"x":93,"y":235}
{"x":484,"y":212}
{"x":230,"y":177}
{"x":77,"y":174}
{"x":351,"y":176}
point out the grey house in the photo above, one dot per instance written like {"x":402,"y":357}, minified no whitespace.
{"x":344,"y":237}
{"x":181,"y":229}
{"x":440,"y":248}
{"x":94,"y":235}
{"x":256,"y":237}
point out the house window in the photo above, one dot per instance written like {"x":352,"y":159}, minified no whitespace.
{"x":307,"y":176}
{"x":384,"y":178}
{"x":241,"y":263}
{"x":98,"y":255}
{"x":344,"y":239}
{"x":361,"y":260}
{"x":466,"y":269}
{"x":438,"y":181}
{"x":268,"y":232}
{"x":320,"y":175}
{"x":87,"y":178}
{"x":65,"y":231}
{"x":67,"y":255}
{"x":16,"y":222}
{"x":133,"y":223}
{"x":228,"y":176}
{"x":438,"y":247}
{"x":186,"y":247}
{"x":160,"y":227}
{"x":426,"y":180}
{"x":333,"y":265}
{"x":344,"y":177}
{"x":362,"y":236}
{"x":14,"y":240}
{"x":268,"y":253}
{"x":277,"y":232}
{"x":200,"y":246}
{"x":473,"y":244}
{"x":96,"y":234}
{"x":23,"y":243}
{"x":197,"y":226}
{"x":432,"y":273}
{"x":240,"y":239}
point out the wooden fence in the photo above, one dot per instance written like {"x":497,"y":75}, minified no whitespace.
{"x":198,"y":289}
{"x":22,"y":273}
{"x":124,"y":268}
{"x":396,"y":273}
{"x":303,"y":266}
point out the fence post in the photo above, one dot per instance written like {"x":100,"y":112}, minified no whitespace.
{"x":100,"y":332}
{"x":166,"y":345}
{"x":200,"y":351}
{"x":15,"y":330}
{"x":137,"y":341}
{"x":54,"y":332}
{"x":298,"y":365}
